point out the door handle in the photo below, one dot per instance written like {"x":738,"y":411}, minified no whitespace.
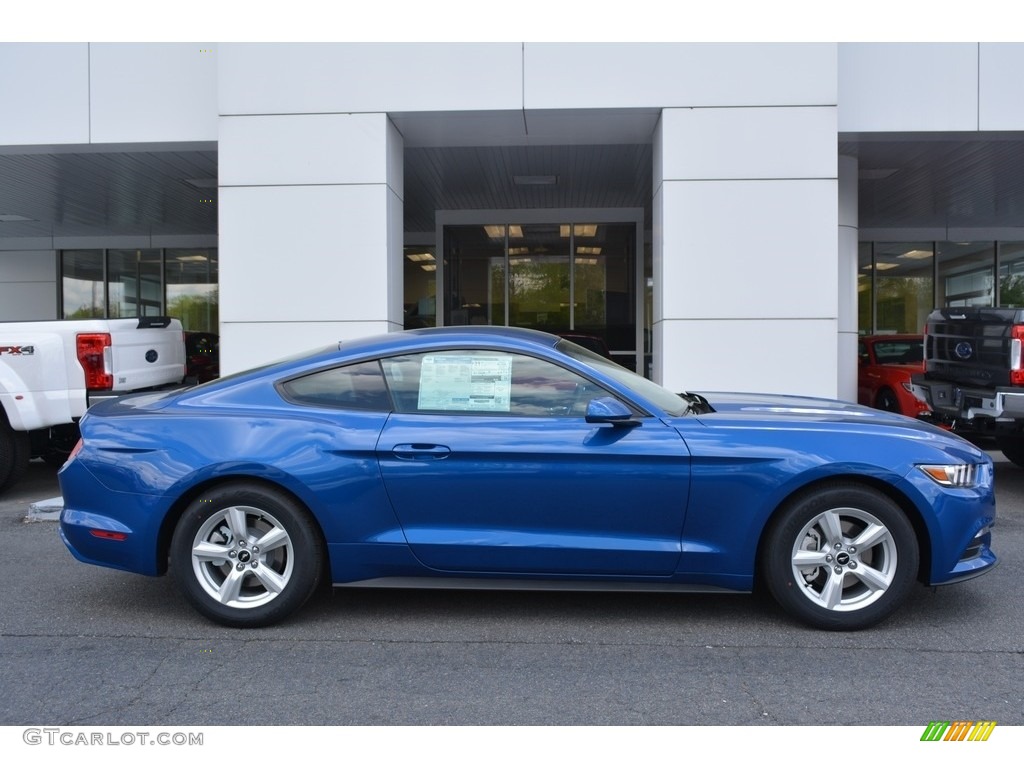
{"x":420,"y":451}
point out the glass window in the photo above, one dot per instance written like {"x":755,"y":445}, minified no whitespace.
{"x":134,"y":283}
{"x":420,"y":286}
{"x":899,"y":351}
{"x":966,"y":274}
{"x":191,"y":281}
{"x":83,"y":288}
{"x":904,"y":292}
{"x":557,"y":277}
{"x":353,"y":387}
{"x":605,"y":286}
{"x":865,"y":290}
{"x":475,"y":273}
{"x":1011,"y":274}
{"x":486,"y":382}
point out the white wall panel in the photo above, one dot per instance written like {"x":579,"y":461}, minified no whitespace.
{"x":153,"y":92}
{"x":908,"y":86}
{"x":28,"y":266}
{"x":28,"y":301}
{"x":304,"y":253}
{"x":247,"y":345}
{"x":781,"y":356}
{"x":750,"y":143}
{"x":1001,"y":91}
{"x":749,"y":249}
{"x":258,"y":78}
{"x":303,"y":149}
{"x":28,"y":285}
{"x":609,"y":75}
{"x":44,"y":93}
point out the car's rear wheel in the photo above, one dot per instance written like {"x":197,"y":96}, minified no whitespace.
{"x":15,"y":453}
{"x":886,"y":400}
{"x":842,"y":557}
{"x":246,"y":555}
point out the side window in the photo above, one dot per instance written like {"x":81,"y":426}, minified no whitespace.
{"x":353,"y":387}
{"x":486,"y":381}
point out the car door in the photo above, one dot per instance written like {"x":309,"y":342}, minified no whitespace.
{"x":491,"y":467}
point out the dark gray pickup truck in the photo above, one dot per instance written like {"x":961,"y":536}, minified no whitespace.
{"x":974,"y":373}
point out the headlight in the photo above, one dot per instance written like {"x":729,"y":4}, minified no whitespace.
{"x":952,"y":475}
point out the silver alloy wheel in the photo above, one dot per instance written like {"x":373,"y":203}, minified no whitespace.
{"x":242,"y":557}
{"x":844,"y":559}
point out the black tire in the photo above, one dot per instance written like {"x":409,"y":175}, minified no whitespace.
{"x":15,"y":454}
{"x":824,"y":530}
{"x":886,"y":400}
{"x":1012,"y":448}
{"x":246,"y":585}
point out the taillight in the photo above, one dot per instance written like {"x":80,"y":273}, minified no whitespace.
{"x":74,"y":451}
{"x":93,"y":354}
{"x":1016,"y":367}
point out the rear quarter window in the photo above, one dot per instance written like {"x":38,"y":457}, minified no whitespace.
{"x":358,"y":387}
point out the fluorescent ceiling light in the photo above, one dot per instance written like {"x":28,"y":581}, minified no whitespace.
{"x":193,"y":257}
{"x":586,"y":261}
{"x":580,"y":230}
{"x":535,"y":181}
{"x":497,"y":231}
{"x":588,"y":250}
{"x":916,"y":254}
{"x":884,"y":265}
{"x":418,"y":257}
{"x":522,"y":251}
{"x":428,"y":267}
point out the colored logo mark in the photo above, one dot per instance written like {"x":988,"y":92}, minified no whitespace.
{"x":958,"y":730}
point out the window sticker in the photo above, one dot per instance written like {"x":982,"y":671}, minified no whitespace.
{"x":454,"y":382}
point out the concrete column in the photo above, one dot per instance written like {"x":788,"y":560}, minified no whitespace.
{"x":310,"y":232}
{"x":848,"y":262}
{"x":745,"y":249}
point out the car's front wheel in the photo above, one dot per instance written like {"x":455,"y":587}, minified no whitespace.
{"x":246,"y":555}
{"x":886,"y":400}
{"x":841,"y":557}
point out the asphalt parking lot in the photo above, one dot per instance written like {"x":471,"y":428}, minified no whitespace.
{"x":81,"y":645}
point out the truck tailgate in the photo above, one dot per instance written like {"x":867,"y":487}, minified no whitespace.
{"x":146,"y":352}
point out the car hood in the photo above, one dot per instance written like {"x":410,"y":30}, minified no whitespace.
{"x":795,"y":409}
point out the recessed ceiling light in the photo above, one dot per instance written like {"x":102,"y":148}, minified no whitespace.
{"x":535,"y":181}
{"x":876,"y":174}
{"x":208,"y":183}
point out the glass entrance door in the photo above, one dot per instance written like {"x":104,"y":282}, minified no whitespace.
{"x":576,"y":279}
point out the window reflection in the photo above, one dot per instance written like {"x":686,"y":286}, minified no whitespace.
{"x":966,"y":274}
{"x":1011,"y":274}
{"x":83,"y":287}
{"x":575,"y":277}
{"x":192,"y":288}
{"x":904,"y":287}
{"x":182,"y":283}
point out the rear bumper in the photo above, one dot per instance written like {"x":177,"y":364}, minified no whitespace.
{"x":955,"y":401}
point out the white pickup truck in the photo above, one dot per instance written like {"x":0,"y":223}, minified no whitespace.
{"x":51,"y":371}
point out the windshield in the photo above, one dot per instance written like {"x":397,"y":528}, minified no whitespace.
{"x":669,"y":402}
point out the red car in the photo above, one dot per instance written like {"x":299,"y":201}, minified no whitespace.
{"x":883,"y":378}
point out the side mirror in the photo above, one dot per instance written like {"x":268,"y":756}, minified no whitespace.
{"x":608,"y":410}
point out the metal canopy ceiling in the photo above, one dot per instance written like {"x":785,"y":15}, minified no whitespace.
{"x":453,"y":163}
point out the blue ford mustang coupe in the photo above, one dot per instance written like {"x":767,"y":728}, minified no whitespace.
{"x":497,"y":458}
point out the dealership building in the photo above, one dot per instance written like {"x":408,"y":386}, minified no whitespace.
{"x":721,"y":215}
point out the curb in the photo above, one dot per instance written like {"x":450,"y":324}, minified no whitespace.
{"x":45,"y":510}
